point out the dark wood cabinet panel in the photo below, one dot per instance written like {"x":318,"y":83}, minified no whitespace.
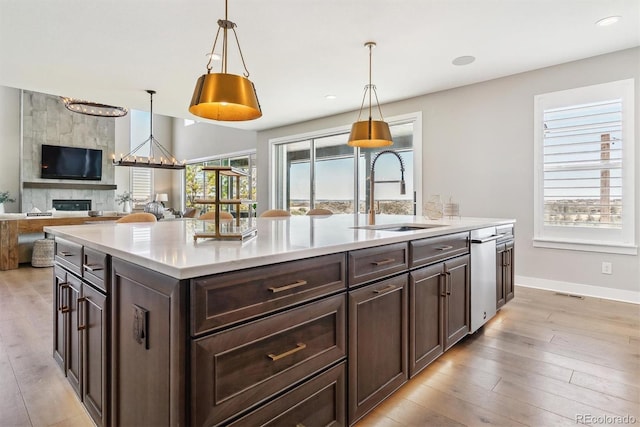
{"x":508,"y":278}
{"x":73,"y":365}
{"x":377,"y":343}
{"x":95,"y":268}
{"x":94,"y":328}
{"x":318,"y":402}
{"x":504,"y":266}
{"x":434,"y":249}
{"x":148,"y":347}
{"x":426,"y":336}
{"x":69,"y":255}
{"x":231,"y":297}
{"x":457,"y":303}
{"x":60,"y":316}
{"x":236,"y":369}
{"x":375,"y":263}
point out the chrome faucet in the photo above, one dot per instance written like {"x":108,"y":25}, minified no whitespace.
{"x":372,"y":182}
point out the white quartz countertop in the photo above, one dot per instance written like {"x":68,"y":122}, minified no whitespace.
{"x":168,"y":246}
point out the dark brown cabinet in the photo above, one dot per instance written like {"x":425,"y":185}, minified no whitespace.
{"x":81,"y":340}
{"x":439,"y":307}
{"x":378,"y":343}
{"x":148,"y":347}
{"x":504,"y":266}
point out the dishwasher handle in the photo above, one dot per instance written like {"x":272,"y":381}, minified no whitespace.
{"x":488,"y":239}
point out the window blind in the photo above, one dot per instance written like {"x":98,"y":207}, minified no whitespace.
{"x":141,"y":184}
{"x":582,"y":156}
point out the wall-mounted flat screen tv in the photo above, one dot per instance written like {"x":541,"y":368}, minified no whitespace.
{"x":60,"y":162}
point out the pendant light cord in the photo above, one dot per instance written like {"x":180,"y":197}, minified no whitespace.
{"x":225,"y":25}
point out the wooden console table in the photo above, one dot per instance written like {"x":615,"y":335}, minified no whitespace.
{"x":11,"y":228}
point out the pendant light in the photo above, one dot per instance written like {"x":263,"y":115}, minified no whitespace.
{"x":93,"y":108}
{"x":370,"y":133}
{"x":223,"y":96}
{"x":166,"y":159}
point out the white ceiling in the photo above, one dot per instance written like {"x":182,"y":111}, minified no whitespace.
{"x":297,"y":51}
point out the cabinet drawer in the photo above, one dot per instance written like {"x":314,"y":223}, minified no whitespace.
{"x":227,"y":298}
{"x":434,"y":249}
{"x":95,"y":268}
{"x":505,"y":232}
{"x":238,"y":368}
{"x":319,"y":402}
{"x":373,"y":263}
{"x":69,"y":255}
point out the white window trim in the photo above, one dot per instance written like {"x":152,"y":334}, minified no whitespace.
{"x":416,"y":118}
{"x":579,"y":238}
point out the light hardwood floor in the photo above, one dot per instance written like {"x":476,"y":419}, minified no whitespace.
{"x":544,"y":360}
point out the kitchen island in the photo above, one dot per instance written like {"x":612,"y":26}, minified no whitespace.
{"x":155,"y":328}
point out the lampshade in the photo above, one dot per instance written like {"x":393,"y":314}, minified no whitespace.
{"x":158,"y":158}
{"x":226,"y":97}
{"x":370,"y":133}
{"x":93,"y":108}
{"x":162,"y":197}
{"x":223,"y":96}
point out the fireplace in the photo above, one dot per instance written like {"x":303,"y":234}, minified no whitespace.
{"x":71,"y":205}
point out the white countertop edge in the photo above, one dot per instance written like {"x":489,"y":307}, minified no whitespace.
{"x":369,"y":238}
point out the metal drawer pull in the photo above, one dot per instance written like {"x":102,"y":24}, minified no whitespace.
{"x":444,"y":248}
{"x":79,"y":302}
{"x":384,"y":261}
{"x":62,"y":308}
{"x":385,"y":289}
{"x":66,"y":253}
{"x":93,"y":267}
{"x":297,"y":284}
{"x":299,"y":346}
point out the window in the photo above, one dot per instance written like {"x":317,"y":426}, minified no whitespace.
{"x":322,"y":171}
{"x":141,"y":178}
{"x":197,"y":181}
{"x":584,"y":160}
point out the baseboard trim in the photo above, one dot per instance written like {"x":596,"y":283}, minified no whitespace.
{"x":579,"y":289}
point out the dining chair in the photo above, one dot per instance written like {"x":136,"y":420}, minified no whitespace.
{"x":138,"y":217}
{"x":212,"y":215}
{"x":319,"y":211}
{"x":274,"y":213}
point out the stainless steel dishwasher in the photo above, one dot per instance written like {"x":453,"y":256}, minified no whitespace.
{"x":483,"y":276}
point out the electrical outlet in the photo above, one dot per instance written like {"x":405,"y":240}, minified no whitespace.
{"x":607,"y":268}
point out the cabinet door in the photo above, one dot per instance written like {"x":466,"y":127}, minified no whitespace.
{"x":426,"y":341}
{"x":93,"y":309}
{"x":500,"y":263}
{"x":377,"y":343}
{"x":60,"y":316}
{"x":148,"y":329}
{"x":509,"y":273}
{"x":457,"y":309}
{"x":73,"y":334}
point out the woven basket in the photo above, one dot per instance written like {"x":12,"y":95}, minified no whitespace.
{"x":42,"y":253}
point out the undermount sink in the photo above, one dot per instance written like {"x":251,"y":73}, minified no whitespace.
{"x":400,"y":227}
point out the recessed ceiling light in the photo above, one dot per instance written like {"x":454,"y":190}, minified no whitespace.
{"x":330,"y":97}
{"x":609,"y":20}
{"x":463,"y":60}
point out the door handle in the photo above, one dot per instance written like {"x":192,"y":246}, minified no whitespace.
{"x":80,"y":301}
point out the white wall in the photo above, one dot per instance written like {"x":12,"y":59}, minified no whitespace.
{"x":201,"y":140}
{"x":478,"y":148}
{"x":10,"y":144}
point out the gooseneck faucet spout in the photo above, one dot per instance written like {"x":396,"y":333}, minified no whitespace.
{"x":372,"y":182}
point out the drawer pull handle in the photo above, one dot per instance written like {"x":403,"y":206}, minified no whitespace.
{"x":66,"y":253}
{"x":385,"y":289}
{"x":297,"y":284}
{"x":444,"y":247}
{"x":93,"y":267}
{"x":384,"y":261}
{"x":79,"y":302}
{"x":299,"y":346}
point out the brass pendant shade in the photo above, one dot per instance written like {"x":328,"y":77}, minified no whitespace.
{"x":370,"y":133}
{"x":225,"y":97}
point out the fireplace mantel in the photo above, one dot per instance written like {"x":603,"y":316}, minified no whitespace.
{"x":69,"y":185}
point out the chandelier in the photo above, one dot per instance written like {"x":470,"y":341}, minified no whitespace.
{"x":93,"y":108}
{"x":159,"y":157}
